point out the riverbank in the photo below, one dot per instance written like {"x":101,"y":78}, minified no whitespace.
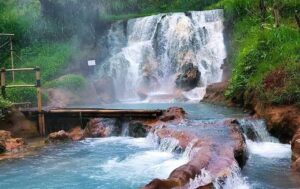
{"x":283,"y":121}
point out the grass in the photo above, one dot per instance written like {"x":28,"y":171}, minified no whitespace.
{"x":70,"y":82}
{"x":258,"y":50}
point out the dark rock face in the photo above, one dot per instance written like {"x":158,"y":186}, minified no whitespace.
{"x":137,"y":129}
{"x":2,"y":147}
{"x":173,"y":113}
{"x":189,"y":78}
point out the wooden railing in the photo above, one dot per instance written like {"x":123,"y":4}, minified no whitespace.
{"x":37,"y":85}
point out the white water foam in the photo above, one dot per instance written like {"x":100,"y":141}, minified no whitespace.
{"x":152,"y":163}
{"x":234,"y":181}
{"x":146,"y":54}
{"x":200,"y":180}
{"x":269,"y":149}
{"x":149,"y":164}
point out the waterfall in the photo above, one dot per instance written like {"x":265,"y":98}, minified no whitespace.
{"x":146,"y":54}
{"x":260,"y":142}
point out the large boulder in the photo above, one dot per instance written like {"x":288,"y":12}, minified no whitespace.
{"x":189,"y":78}
{"x":215,"y":93}
{"x":58,"y":136}
{"x":15,"y":145}
{"x":173,"y":113}
{"x":76,"y":134}
{"x":101,"y":127}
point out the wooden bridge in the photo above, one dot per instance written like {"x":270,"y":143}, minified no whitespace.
{"x":53,"y":119}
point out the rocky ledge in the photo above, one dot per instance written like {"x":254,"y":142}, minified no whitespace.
{"x":95,"y":128}
{"x":282,"y":121}
{"x":207,"y":154}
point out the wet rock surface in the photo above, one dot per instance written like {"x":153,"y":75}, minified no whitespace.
{"x":215,"y":93}
{"x":295,"y":145}
{"x":58,"y":136}
{"x":189,"y":78}
{"x":206,"y":153}
{"x":101,"y":127}
{"x":11,"y":145}
{"x":137,"y":129}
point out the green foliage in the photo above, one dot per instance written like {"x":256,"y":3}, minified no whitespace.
{"x":21,"y":94}
{"x":260,"y":49}
{"x":4,"y":103}
{"x":71,"y":82}
{"x":50,"y":57}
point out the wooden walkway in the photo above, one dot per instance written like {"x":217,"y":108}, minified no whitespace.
{"x":94,"y":112}
{"x":54,"y":119}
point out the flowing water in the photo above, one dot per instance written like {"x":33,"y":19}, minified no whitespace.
{"x":146,"y":54}
{"x":156,"y":47}
{"x":129,"y":163}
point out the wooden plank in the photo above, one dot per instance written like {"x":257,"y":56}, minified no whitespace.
{"x":7,"y":34}
{"x":14,"y":86}
{"x":20,"y":69}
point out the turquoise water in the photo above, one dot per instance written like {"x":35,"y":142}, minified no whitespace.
{"x":129,"y":163}
{"x":110,"y":163}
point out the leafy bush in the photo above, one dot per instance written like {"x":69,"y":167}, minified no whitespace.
{"x":18,"y":95}
{"x":4,"y":103}
{"x":260,"y":50}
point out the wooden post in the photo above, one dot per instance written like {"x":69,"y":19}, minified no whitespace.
{"x":41,"y":120}
{"x":3,"y":83}
{"x":12,"y":58}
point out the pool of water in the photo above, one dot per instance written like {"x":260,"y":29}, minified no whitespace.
{"x":129,"y":163}
{"x":109,"y":163}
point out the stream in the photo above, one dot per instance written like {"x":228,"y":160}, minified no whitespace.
{"x":129,"y":163}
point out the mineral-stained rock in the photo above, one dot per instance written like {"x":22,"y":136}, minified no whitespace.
{"x":296,"y":165}
{"x":215,"y":93}
{"x":4,"y":135}
{"x":296,"y":146}
{"x":173,"y":113}
{"x":15,"y":145}
{"x":189,"y":78}
{"x":100,"y":127}
{"x":206,"y":154}
{"x":58,"y":136}
{"x":76,"y":134}
{"x":240,"y":152}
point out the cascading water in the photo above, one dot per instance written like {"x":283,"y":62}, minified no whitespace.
{"x":146,"y":54}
